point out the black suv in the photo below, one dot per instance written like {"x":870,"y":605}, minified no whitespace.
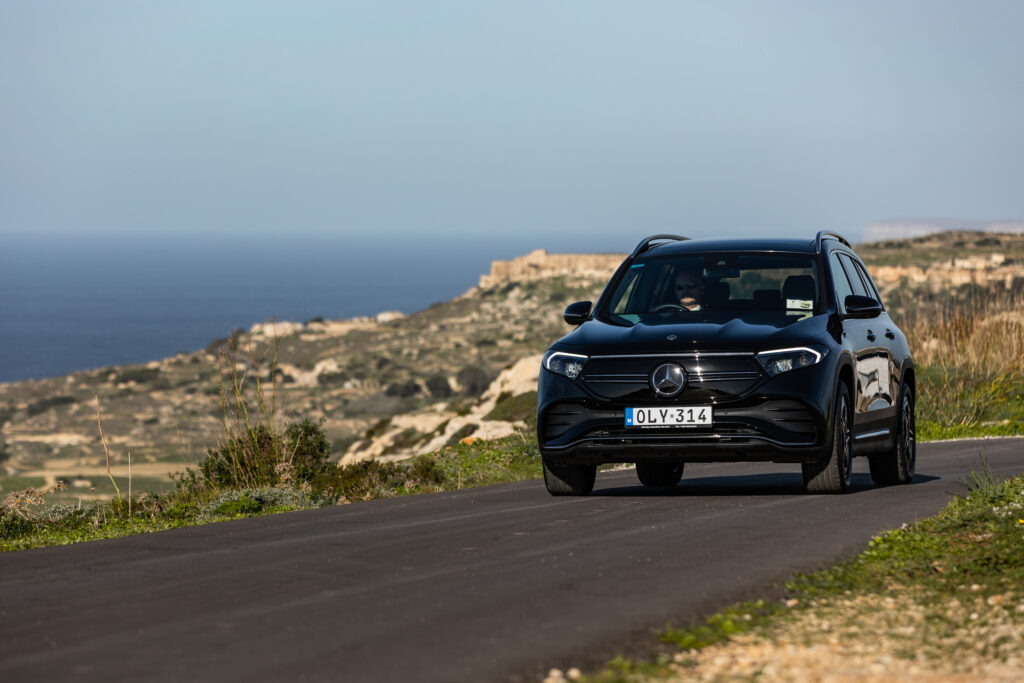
{"x":729,"y":350}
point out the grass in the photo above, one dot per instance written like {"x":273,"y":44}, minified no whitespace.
{"x":740,"y":618}
{"x":976,"y":539}
{"x":40,"y":522}
{"x":933,"y":431}
{"x":944,"y":595}
{"x":64,"y":534}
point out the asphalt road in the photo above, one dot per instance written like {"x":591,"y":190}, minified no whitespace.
{"x":499,"y":583}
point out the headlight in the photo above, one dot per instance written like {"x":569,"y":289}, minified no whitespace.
{"x":568,"y":364}
{"x":783,"y":360}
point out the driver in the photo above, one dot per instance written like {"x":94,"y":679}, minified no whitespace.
{"x":689,"y":288}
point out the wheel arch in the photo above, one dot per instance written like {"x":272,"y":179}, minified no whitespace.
{"x":845,"y":375}
{"x":909,"y":377}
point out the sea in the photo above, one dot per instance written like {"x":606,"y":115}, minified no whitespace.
{"x":77,"y":303}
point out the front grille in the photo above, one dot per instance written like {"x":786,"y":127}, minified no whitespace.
{"x":710,"y":378}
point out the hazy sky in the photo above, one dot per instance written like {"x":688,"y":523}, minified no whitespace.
{"x":591,"y":119}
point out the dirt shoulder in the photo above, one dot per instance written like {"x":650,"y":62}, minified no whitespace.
{"x":876,"y":638}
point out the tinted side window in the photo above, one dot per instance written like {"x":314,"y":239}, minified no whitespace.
{"x":866,"y":276}
{"x":851,"y":272}
{"x":626,"y":290}
{"x":842,"y":283}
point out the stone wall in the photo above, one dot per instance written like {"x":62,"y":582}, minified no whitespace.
{"x":539,"y":264}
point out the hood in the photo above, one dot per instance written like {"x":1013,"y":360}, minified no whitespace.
{"x":737,"y":334}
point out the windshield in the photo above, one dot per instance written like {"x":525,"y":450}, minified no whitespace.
{"x":716,"y":287}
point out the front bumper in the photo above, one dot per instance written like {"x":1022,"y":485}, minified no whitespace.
{"x":780,"y":419}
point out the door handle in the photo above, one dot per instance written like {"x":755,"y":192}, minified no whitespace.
{"x":871,"y":336}
{"x":890,"y":334}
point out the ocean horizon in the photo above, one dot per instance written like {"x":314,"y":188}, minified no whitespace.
{"x":84,"y":304}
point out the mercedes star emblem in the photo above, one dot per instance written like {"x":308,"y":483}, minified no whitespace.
{"x":671,"y":337}
{"x":668,"y":379}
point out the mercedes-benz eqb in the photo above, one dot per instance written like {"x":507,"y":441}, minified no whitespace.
{"x":730,"y":350}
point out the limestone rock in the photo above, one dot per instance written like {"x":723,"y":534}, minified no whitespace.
{"x":539,"y":264}
{"x":388,"y":316}
{"x":275,"y":328}
{"x":439,"y":425}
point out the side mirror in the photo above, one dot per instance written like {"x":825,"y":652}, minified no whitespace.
{"x":862,"y":307}
{"x":577,"y":313}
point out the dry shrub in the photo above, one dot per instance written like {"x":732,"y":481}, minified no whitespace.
{"x":968,"y":354}
{"x":978,"y":342}
{"x":256,"y":451}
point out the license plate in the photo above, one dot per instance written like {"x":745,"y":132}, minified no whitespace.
{"x":674,"y":416}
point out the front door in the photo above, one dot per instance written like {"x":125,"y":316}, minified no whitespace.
{"x":873,"y":403}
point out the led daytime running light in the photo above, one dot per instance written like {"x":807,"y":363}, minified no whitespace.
{"x":567,"y":364}
{"x":778,"y":361}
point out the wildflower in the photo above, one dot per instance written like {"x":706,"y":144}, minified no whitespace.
{"x":285,"y":472}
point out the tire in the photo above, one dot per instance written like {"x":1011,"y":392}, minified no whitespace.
{"x":833,"y":475}
{"x":897,"y":466}
{"x":569,"y":480}
{"x":659,"y":473}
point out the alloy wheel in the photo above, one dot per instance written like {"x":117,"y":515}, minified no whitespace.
{"x":846,"y":459}
{"x":908,"y":440}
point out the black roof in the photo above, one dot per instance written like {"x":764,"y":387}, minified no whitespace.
{"x":803,"y":246}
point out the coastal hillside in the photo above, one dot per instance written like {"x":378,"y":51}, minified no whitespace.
{"x":903,"y":228}
{"x":392,"y":385}
{"x":356,"y":375}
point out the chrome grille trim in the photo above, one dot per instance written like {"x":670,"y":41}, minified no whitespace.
{"x":696,"y":354}
{"x":723,"y":376}
{"x":625,"y":378}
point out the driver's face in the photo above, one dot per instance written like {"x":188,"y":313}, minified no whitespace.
{"x":689,"y":287}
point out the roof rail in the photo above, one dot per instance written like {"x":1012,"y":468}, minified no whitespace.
{"x":828,"y":235}
{"x":645,"y":243}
